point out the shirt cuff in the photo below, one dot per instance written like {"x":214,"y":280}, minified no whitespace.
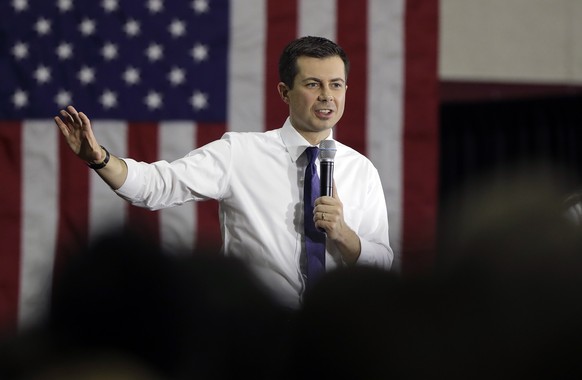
{"x":375,"y":255}
{"x":132,"y":184}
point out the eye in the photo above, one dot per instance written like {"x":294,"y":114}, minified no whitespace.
{"x":337,"y":85}
{"x":312,"y":85}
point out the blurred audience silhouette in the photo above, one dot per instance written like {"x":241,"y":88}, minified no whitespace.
{"x":177,"y":316}
{"x":503,"y":302}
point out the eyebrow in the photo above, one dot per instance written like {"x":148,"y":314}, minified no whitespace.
{"x":319,"y":80}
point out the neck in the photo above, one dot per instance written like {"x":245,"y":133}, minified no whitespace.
{"x":314,"y":138}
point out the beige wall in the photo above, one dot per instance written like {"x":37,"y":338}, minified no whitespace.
{"x":525,"y":41}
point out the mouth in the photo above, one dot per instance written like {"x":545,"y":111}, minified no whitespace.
{"x":324,"y":113}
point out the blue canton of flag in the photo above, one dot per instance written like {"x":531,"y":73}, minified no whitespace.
{"x":114,"y":59}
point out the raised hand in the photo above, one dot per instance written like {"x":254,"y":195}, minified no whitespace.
{"x":76,"y":127}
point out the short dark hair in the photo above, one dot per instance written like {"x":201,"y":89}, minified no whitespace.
{"x":309,"y":46}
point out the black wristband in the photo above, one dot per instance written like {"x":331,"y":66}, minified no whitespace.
{"x":102,"y":164}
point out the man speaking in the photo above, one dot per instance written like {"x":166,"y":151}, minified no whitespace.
{"x":272,"y":214}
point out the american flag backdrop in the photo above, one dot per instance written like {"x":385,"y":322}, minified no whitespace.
{"x":160,"y":77}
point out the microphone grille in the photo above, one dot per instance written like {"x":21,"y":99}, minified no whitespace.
{"x":327,"y":150}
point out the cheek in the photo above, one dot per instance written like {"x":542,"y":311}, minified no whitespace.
{"x":341,"y":101}
{"x":305,"y":104}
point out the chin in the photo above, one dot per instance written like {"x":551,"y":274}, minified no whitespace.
{"x":330,"y":124}
{"x":323,"y":127}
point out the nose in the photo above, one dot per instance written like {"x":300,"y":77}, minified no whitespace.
{"x":325,"y":97}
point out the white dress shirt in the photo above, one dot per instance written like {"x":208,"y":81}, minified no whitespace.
{"x":257,"y":177}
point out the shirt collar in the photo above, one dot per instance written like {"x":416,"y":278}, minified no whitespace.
{"x":294,"y":142}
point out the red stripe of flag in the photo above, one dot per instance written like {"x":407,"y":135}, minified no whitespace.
{"x":281,"y":28}
{"x":142,"y":140}
{"x":420,"y":137}
{"x":353,"y":38}
{"x":73,"y":206}
{"x":10,"y":222}
{"x":208,"y":237}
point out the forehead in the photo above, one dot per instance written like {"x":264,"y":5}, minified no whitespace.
{"x":329,"y":68}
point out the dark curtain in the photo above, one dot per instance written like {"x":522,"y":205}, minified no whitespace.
{"x":501,"y":140}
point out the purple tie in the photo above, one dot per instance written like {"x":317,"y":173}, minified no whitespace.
{"x":314,"y":239}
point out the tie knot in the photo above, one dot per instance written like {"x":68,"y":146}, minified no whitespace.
{"x":312,"y":153}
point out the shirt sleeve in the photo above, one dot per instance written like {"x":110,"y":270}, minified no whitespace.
{"x":373,"y":230}
{"x":201,"y":174}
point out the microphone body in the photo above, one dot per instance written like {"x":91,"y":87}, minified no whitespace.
{"x":326,"y":178}
{"x":327,"y":152}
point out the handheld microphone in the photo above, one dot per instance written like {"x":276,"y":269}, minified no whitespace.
{"x":327,"y":152}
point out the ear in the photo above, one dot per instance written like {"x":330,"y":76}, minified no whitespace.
{"x":283,"y":91}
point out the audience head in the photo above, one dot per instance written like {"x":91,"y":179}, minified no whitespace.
{"x":174,"y":315}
